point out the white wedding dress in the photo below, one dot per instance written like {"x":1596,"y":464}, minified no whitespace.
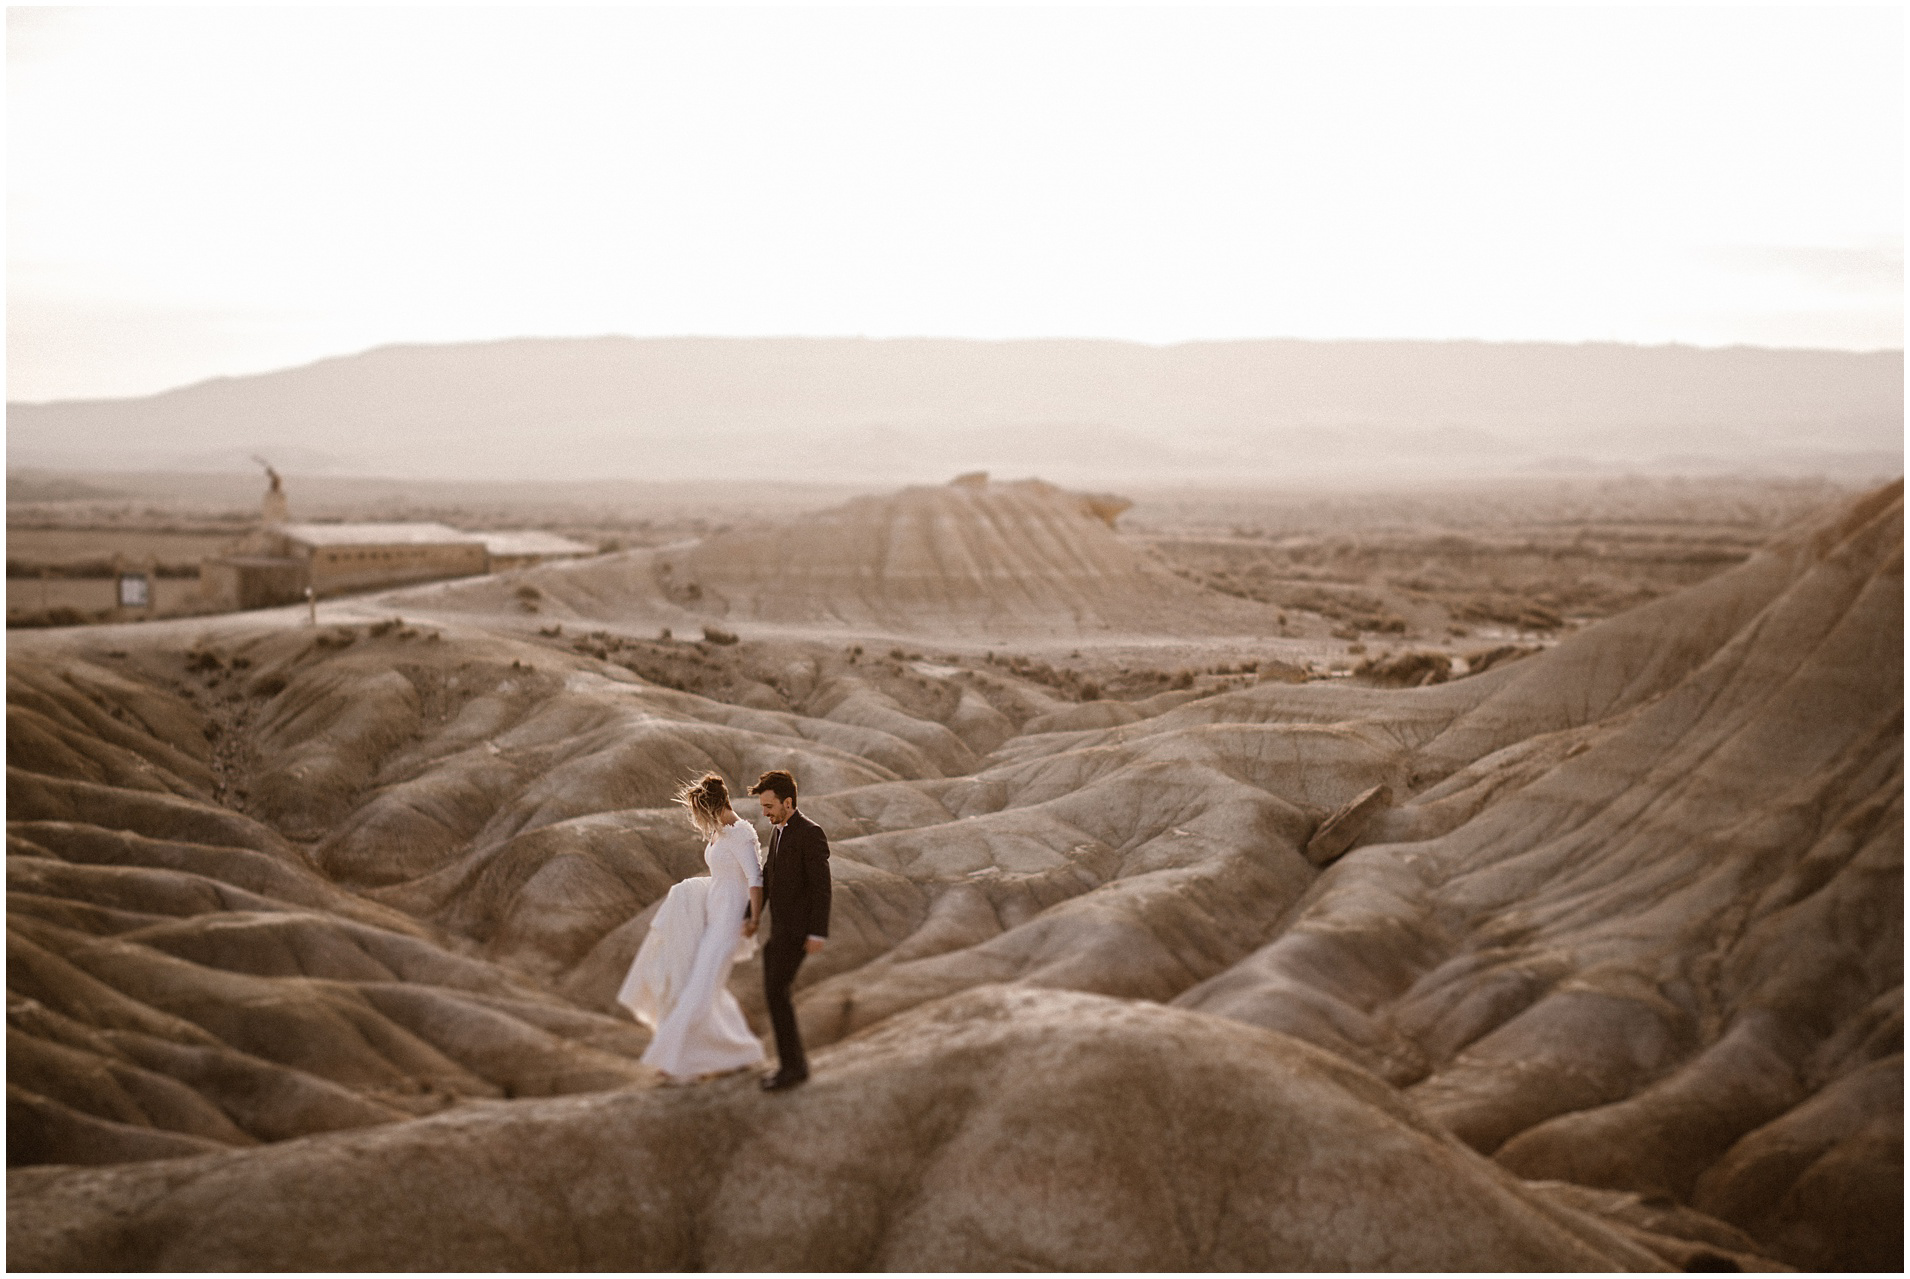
{"x":679,"y":983}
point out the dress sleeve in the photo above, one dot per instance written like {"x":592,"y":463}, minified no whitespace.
{"x":749,"y":855}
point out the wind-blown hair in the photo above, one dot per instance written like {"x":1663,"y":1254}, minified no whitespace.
{"x":706,"y":798}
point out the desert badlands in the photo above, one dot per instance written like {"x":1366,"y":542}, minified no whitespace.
{"x":1589,"y":961}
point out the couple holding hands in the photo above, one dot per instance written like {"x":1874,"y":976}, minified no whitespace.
{"x":678,"y":984}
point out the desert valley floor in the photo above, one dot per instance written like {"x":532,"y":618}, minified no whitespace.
{"x":1157,"y":943}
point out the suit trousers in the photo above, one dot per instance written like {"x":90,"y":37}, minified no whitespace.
{"x":780,"y":962}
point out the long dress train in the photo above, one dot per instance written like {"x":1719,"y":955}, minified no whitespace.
{"x":678,"y":984}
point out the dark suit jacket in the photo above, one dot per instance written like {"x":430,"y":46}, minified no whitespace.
{"x":796,"y":882}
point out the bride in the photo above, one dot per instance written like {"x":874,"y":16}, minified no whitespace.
{"x":679,"y":984}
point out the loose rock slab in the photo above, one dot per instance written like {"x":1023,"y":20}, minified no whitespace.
{"x":1353,"y":818}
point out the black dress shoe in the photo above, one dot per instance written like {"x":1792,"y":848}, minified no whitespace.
{"x":781,"y":1080}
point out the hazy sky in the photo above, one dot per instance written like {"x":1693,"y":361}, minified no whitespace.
{"x":193,"y":192}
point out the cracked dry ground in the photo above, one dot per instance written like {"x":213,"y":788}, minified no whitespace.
{"x":312,"y":942}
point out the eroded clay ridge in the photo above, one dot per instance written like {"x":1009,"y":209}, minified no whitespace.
{"x":313,"y":928}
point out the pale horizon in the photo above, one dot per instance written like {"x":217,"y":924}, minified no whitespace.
{"x":951,"y":337}
{"x":197,"y":194}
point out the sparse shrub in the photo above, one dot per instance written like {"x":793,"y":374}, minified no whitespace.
{"x":1509,"y":610}
{"x":528,"y":592}
{"x":717,"y":635}
{"x":1486,"y":659}
{"x":1406,"y":670}
{"x":1356,"y":648}
{"x":1380,"y":624}
{"x":1183,"y":678}
{"x":664,"y":636}
{"x":1089,"y":691}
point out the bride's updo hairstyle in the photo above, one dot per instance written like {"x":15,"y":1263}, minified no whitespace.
{"x":706,"y":798}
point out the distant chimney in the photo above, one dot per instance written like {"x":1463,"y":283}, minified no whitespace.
{"x":273,"y":510}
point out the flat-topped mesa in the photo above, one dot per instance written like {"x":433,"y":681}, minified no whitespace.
{"x":1106,"y":507}
{"x":1025,"y":555}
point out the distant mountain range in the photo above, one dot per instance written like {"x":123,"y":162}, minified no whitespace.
{"x":1074,"y":411}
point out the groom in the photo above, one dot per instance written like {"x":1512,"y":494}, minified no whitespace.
{"x":796,"y":886}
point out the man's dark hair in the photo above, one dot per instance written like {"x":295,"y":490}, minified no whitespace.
{"x":777,"y":780}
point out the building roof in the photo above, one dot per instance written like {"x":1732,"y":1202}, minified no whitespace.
{"x":375,"y":534}
{"x":259,"y":561}
{"x":532,"y":542}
